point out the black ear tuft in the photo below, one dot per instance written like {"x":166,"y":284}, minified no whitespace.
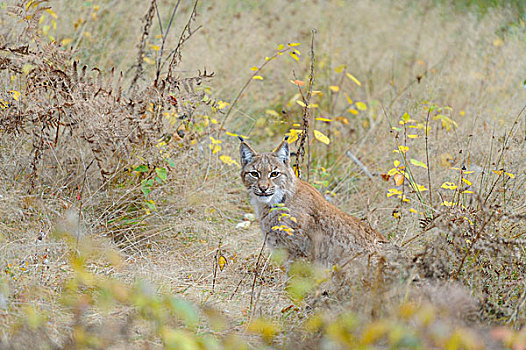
{"x":241,"y":139}
{"x":283,"y":152}
{"x":247,"y":153}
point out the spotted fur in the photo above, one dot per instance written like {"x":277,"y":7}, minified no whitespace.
{"x":295,"y":217}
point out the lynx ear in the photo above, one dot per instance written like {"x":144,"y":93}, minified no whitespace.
{"x":247,"y":153}
{"x":282,"y":151}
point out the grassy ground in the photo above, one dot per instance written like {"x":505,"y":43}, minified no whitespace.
{"x":119,"y":203}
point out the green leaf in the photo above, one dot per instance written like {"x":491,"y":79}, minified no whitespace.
{"x":141,"y":168}
{"x":162,"y":173}
{"x":184,"y":310}
{"x":151,"y":205}
{"x":170,"y":162}
{"x":418,"y":163}
{"x":146,"y":186}
{"x":406,"y":117}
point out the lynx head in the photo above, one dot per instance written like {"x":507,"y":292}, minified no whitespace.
{"x":268,"y":177}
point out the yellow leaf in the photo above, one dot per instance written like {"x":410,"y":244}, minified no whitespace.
{"x":294,"y":56}
{"x":466,"y":181}
{"x":324,"y":119}
{"x":221,"y":261}
{"x":420,"y":188}
{"x":511,"y":176}
{"x":402,"y":149}
{"x":316,"y":92}
{"x":321,"y":137}
{"x":228,"y":160}
{"x":27,"y":68}
{"x":342,"y":120}
{"x":340,"y":68}
{"x":155,"y":47}
{"x":348,"y":98}
{"x":215,"y":141}
{"x":15,"y":94}
{"x":272,"y":113}
{"x":352,"y":111}
{"x":294,"y":135}
{"x":334,"y":88}
{"x":149,"y":60}
{"x":361,"y":106}
{"x":449,"y":186}
{"x":293,"y":44}
{"x":52,"y":13}
{"x":66,"y":41}
{"x":254,"y":68}
{"x":396,"y":163}
{"x":280,"y":47}
{"x":448,"y":204}
{"x":411,"y":136}
{"x":412,"y":210}
{"x":301,"y":103}
{"x":350,"y":76}
{"x":215,"y":148}
{"x":393,"y":192}
{"x":498,"y":42}
{"x":257,"y":77}
{"x":221,"y":104}
{"x":265,"y":328}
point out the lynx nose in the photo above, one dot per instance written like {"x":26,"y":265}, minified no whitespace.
{"x":263,"y":188}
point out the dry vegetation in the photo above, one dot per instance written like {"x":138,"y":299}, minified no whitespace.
{"x":123,"y":223}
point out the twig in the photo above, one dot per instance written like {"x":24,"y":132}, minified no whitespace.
{"x":165,"y":36}
{"x":300,"y":154}
{"x":427,"y":160}
{"x":256,"y":273}
{"x":79,"y":197}
{"x":216,"y":257}
{"x":468,"y":249}
{"x":359,"y":164}
{"x":176,"y":53}
{"x":249,"y":80}
{"x":140,"y":54}
{"x":520,"y":306}
{"x":504,"y":148}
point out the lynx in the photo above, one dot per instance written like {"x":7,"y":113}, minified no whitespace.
{"x":295,"y":217}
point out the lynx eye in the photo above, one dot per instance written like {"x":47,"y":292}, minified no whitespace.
{"x":254,"y":174}
{"x":274,"y":174}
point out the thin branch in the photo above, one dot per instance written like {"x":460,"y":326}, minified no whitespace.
{"x":245,"y":86}
{"x":256,"y":273}
{"x":140,"y":54}
{"x":300,"y":154}
{"x":165,"y":36}
{"x":427,"y":159}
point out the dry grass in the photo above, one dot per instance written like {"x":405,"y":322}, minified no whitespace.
{"x":89,"y":259}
